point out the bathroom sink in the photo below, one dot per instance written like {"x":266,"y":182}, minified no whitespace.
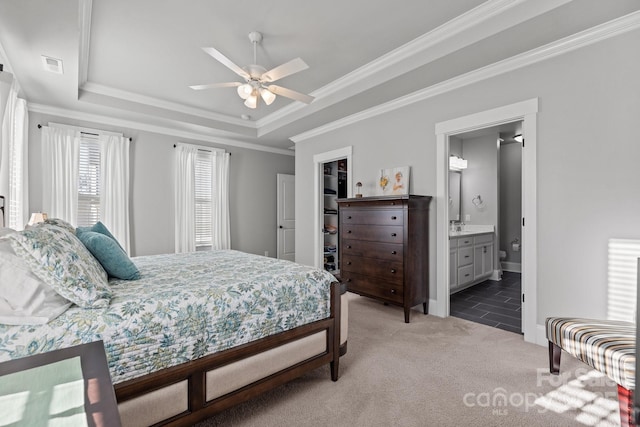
{"x":470,"y":229}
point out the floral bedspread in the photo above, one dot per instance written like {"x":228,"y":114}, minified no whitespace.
{"x":185,"y":306}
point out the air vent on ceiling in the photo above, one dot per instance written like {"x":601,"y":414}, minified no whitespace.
{"x":52,"y":65}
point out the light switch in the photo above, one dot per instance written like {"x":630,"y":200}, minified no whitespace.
{"x":467,"y":217}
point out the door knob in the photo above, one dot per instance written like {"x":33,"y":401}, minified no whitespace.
{"x":281,"y":226}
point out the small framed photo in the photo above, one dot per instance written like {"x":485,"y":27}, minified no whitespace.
{"x":394,"y":181}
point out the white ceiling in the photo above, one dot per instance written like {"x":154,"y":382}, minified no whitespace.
{"x":134,"y":60}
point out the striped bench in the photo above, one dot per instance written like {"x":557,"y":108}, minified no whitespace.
{"x":608,"y":346}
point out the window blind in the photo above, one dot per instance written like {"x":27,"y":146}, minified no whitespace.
{"x":88,"y":181}
{"x":204,"y":184}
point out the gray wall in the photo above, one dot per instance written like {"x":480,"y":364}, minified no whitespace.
{"x":587,"y":154}
{"x":510,"y":199}
{"x":252,"y":183}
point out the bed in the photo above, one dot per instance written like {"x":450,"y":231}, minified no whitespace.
{"x":200,"y":332}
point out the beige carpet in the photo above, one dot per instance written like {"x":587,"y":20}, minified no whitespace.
{"x":433,"y":372}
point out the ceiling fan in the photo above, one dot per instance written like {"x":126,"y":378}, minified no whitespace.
{"x":257,"y":79}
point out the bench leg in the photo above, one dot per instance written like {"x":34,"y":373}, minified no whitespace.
{"x":554,"y":358}
{"x":625,"y":400}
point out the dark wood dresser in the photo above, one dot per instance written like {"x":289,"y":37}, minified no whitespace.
{"x":384,"y":246}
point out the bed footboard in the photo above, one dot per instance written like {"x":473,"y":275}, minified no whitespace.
{"x":185,"y":394}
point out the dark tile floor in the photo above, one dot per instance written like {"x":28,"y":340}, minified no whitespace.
{"x":493,"y":303}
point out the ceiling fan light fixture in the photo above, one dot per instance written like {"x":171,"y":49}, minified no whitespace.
{"x":252,"y":101}
{"x":267,"y":96}
{"x":244,"y":91}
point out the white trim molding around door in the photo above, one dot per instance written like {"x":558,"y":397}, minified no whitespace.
{"x":318,"y":203}
{"x":526,"y":111}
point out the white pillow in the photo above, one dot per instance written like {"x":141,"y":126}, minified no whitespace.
{"x":24,"y":298}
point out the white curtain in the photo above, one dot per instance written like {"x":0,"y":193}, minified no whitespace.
{"x":114,"y":194}
{"x":60,"y":151}
{"x":14,"y":177}
{"x":220,"y":217}
{"x":185,"y":198}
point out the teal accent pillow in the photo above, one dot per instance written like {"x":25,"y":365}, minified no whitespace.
{"x":110,"y":255}
{"x":98,"y":227}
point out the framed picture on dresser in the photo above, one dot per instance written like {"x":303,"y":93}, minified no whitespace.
{"x":394,"y":181}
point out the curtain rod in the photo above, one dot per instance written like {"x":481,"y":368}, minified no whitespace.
{"x":201,"y":149}
{"x":87,"y":133}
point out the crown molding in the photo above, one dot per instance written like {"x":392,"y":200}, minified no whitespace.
{"x":363,"y":78}
{"x":565,"y":45}
{"x":131,"y":124}
{"x":369,"y":74}
{"x":163,"y":104}
{"x":84,"y":16}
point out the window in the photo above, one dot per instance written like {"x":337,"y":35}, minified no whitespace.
{"x":201,"y":198}
{"x":88,"y":180}
{"x":204,"y":185}
{"x":86,"y":177}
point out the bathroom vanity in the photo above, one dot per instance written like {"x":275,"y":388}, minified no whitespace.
{"x":471,"y":256}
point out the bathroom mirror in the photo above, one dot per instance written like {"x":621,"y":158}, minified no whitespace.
{"x":454,"y":195}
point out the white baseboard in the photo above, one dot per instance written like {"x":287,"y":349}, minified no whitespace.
{"x":433,"y":308}
{"x":514,"y":267}
{"x":541,"y":335}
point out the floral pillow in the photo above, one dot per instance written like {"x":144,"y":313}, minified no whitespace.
{"x":60,"y":223}
{"x":57,"y":257}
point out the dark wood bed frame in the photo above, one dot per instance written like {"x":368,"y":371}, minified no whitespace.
{"x":195,"y":371}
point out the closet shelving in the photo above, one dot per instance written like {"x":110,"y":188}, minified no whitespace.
{"x":335,"y":186}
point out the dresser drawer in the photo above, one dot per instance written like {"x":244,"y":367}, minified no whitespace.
{"x":465,"y":256}
{"x":372,"y":233}
{"x":372,"y":216}
{"x":369,"y":286}
{"x":465,"y":275}
{"x":388,"y":269}
{"x":373,"y":204}
{"x":372,"y":250}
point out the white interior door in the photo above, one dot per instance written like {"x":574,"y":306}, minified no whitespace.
{"x":286,"y":217}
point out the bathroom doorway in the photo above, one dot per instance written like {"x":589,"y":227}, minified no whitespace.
{"x":485,"y":211}
{"x":527,"y":111}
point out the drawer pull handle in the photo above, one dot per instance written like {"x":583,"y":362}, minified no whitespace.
{"x":393,"y":234}
{"x":393,"y":252}
{"x":393,"y":270}
{"x":349,"y":247}
{"x":467,"y":256}
{"x":467,"y":275}
{"x":394,"y":217}
{"x":348,"y":231}
{"x":349,"y":217}
{"x":393,"y":291}
{"x":348,"y":262}
{"x":348,"y":280}
{"x":393,"y":203}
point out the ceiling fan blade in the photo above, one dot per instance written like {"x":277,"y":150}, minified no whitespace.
{"x":284,"y":70}
{"x":288,"y":93}
{"x":215,"y":85}
{"x":226,"y":62}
